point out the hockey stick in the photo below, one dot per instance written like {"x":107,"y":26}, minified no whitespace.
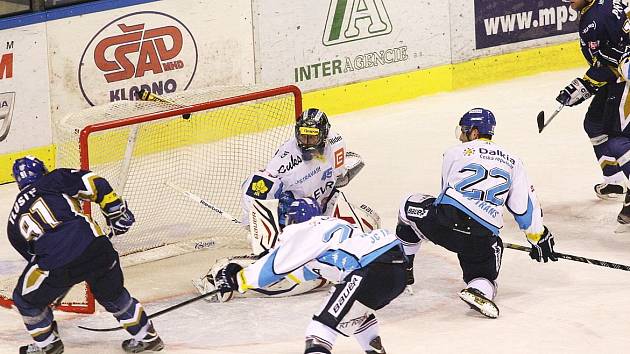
{"x":159,"y":313}
{"x":199,"y":200}
{"x":573,"y":258}
{"x":146,"y":95}
{"x":541,"y":118}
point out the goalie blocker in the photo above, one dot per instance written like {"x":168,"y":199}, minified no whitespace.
{"x":264,"y":233}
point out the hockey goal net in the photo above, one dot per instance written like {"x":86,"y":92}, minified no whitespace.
{"x":203,"y":141}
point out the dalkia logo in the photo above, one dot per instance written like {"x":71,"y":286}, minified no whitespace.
{"x":142,"y":50}
{"x":352,"y":20}
{"x":6,"y":113}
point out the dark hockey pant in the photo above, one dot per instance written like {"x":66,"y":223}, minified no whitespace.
{"x":478,"y":250}
{"x":99,"y":266}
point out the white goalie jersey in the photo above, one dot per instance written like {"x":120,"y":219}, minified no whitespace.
{"x":288,"y":171}
{"x":322,"y":247}
{"x":480,"y":177}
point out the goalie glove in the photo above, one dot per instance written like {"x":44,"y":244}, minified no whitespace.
{"x":542,"y":246}
{"x":225,"y":280}
{"x":578,"y":91}
{"x":354,"y":164}
{"x":118,"y":217}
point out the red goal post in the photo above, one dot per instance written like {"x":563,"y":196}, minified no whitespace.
{"x":139,"y":146}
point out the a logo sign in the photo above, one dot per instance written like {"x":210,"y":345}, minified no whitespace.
{"x":340,"y":158}
{"x":142,"y":50}
{"x":259,"y":187}
{"x":6,"y":66}
{"x":7,"y":100}
{"x":510,"y":21}
{"x":353,"y":20}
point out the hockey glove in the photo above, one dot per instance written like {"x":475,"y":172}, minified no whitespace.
{"x":225,"y":280}
{"x":118,"y":217}
{"x":542,"y":250}
{"x":576,"y":92}
{"x":284,"y":201}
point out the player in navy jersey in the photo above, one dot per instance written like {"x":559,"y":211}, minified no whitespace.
{"x":63,"y":247}
{"x":479,"y":178}
{"x":603,"y":30}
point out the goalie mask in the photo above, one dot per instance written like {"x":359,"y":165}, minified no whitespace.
{"x":28,"y":170}
{"x":311,"y":131}
{"x":302,"y":210}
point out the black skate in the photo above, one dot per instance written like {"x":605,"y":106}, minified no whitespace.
{"x":410,"y":280}
{"x":624,"y":216}
{"x":478,"y":302}
{"x":150,"y":342}
{"x":377,"y":346}
{"x":56,"y":347}
{"x":610,"y":191}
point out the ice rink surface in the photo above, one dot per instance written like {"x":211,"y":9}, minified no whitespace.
{"x":562,"y":307}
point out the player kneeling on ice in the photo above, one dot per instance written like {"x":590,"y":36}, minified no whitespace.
{"x":64,"y":247}
{"x":478,"y":178}
{"x":314,"y":163}
{"x":368,"y":270}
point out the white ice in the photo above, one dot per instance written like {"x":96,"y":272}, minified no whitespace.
{"x":562,"y":307}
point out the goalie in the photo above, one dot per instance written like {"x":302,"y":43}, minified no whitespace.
{"x":314,"y":163}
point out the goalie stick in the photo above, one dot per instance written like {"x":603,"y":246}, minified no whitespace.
{"x":201,"y":201}
{"x":159,"y":313}
{"x":573,"y":258}
{"x":541,"y":118}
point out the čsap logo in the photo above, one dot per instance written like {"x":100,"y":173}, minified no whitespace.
{"x":353,"y":20}
{"x":6,"y":113}
{"x":142,"y":50}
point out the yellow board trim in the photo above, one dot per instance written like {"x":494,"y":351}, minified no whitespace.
{"x":44,"y":153}
{"x":396,"y":88}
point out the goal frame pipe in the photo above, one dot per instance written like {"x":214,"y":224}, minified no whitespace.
{"x":85,"y":133}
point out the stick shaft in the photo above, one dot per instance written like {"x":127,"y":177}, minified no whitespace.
{"x":573,"y":258}
{"x":203,"y":202}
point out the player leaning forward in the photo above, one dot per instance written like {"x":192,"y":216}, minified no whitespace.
{"x":479,"y":177}
{"x":368,"y":269}
{"x":314,"y":163}
{"x":64,"y":247}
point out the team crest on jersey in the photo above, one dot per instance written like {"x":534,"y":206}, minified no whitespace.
{"x":469,"y":152}
{"x":259,"y":187}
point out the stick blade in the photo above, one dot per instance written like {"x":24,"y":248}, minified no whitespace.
{"x":100,"y":329}
{"x":541,"y":121}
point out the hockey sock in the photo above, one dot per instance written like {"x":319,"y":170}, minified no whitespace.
{"x":367,"y":332}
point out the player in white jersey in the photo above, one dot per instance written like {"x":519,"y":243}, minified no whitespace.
{"x":310,"y":164}
{"x":367,"y":268}
{"x":313,"y":163}
{"x":479,"y":177}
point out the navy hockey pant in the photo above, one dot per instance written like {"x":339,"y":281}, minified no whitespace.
{"x":99,"y":266}
{"x":598,"y":132}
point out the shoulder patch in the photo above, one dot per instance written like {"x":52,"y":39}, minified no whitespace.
{"x":259,"y":187}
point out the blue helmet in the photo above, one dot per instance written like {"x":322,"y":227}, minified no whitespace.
{"x":302,"y":210}
{"x":27,"y":170}
{"x":479,"y":118}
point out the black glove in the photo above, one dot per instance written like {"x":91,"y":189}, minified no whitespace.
{"x":118,"y":217}
{"x":576,"y":92}
{"x":225,"y":280}
{"x":543,"y":249}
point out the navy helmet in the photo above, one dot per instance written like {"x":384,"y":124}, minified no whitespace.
{"x":311,"y":131}
{"x":479,"y":118}
{"x":27,"y":170}
{"x":302,"y":210}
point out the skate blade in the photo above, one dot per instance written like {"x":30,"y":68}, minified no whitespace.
{"x":201,"y":289}
{"x":612,"y":197}
{"x":409,"y":290}
{"x":622,"y":229}
{"x":481,"y":305}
